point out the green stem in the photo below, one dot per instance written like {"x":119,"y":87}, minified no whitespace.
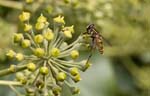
{"x":72,"y":44}
{"x":12,"y":69}
{"x":53,"y":72}
{"x":32,"y":40}
{"x":67,"y":52}
{"x":66,"y":62}
{"x":14,"y":83}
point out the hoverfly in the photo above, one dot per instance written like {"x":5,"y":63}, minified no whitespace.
{"x":97,"y":40}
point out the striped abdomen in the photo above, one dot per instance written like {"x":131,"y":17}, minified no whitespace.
{"x":99,"y":44}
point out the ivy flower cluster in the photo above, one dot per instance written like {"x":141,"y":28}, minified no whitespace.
{"x":49,"y":62}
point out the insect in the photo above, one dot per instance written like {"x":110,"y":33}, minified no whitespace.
{"x":97,"y":40}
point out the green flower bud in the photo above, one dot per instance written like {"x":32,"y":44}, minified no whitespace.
{"x":86,"y":65}
{"x":64,"y":44}
{"x":49,"y":9}
{"x":42,"y":19}
{"x":48,"y":35}
{"x":55,"y":52}
{"x":21,"y":78}
{"x":44,"y":70}
{"x":10,"y":54}
{"x":27,"y":72}
{"x":77,"y":78}
{"x":38,"y":39}
{"x":19,"y":75}
{"x":30,"y":90}
{"x":59,"y":19}
{"x":61,"y":76}
{"x":12,"y":68}
{"x":39,"y":84}
{"x":19,"y":56}
{"x":74,"y":71}
{"x":74,"y":54}
{"x":25,"y":43}
{"x":18,"y":37}
{"x":27,"y":27}
{"x":31,"y":66}
{"x":75,"y":90}
{"x":56,"y":90}
{"x":39,"y":25}
{"x":39,"y":52}
{"x":24,"y":16}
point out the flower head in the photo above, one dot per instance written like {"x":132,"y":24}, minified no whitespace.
{"x":47,"y":63}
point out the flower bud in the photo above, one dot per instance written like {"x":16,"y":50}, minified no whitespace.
{"x":19,"y":75}
{"x":63,"y":45}
{"x":74,"y":54}
{"x":31,"y":66}
{"x":25,"y":43}
{"x":59,"y":19}
{"x":75,"y":90}
{"x":61,"y":76}
{"x":30,"y":90}
{"x":39,"y":83}
{"x":38,"y":38}
{"x":44,"y":70}
{"x":55,"y":52}
{"x":24,"y":16}
{"x":49,"y":9}
{"x":56,"y":90}
{"x":18,"y":37}
{"x":74,"y":71}
{"x":86,"y":65}
{"x":67,"y":33}
{"x":12,"y":68}
{"x":48,"y":35}
{"x":10,"y":54}
{"x":39,"y":52}
{"x":39,"y":25}
{"x":21,"y":78}
{"x":27,"y":27}
{"x":19,"y":56}
{"x":77,"y":78}
{"x":42,"y":19}
{"x":69,"y":28}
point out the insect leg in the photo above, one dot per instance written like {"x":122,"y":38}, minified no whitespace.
{"x":93,"y":46}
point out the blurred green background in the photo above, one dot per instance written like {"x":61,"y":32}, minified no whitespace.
{"x":123,"y":70}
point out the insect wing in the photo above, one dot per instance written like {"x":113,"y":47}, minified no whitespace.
{"x":104,"y":39}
